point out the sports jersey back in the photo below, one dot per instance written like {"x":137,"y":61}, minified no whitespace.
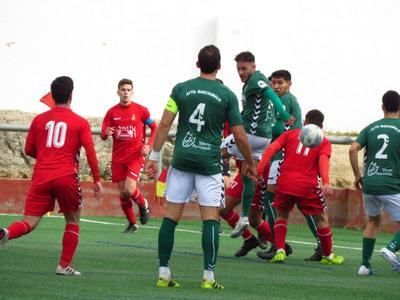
{"x":129,"y":123}
{"x":258,"y":113}
{"x":55,"y":139}
{"x":382,"y":157}
{"x":299,"y":172}
{"x":203,"y":107}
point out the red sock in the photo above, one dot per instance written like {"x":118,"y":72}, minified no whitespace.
{"x":138,"y":198}
{"x":126,"y":206}
{"x":232,"y":218}
{"x":325,"y":236}
{"x":280,"y":229}
{"x":265,"y":231}
{"x":70,"y":242}
{"x":17,"y":229}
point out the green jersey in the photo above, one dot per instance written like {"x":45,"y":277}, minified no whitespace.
{"x":381,"y":140}
{"x":203,"y":107}
{"x":258,"y":110}
{"x":293,"y":108}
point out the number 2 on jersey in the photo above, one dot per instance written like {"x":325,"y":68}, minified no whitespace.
{"x":197,"y":116}
{"x":56,"y":134}
{"x":385,"y":138}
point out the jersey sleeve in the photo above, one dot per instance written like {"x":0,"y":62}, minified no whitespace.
{"x":326,"y":148}
{"x":233,"y":114}
{"x":87,"y":142}
{"x":106,"y":123}
{"x":362,"y":137}
{"x":30,"y":147}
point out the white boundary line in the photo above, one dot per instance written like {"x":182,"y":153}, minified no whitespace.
{"x":182,"y":230}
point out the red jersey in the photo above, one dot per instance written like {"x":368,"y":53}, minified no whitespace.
{"x":55,"y":139}
{"x":299,"y":171}
{"x":129,"y":123}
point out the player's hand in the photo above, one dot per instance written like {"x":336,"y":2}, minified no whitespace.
{"x":146,"y":150}
{"x":358,"y":182}
{"x":290,"y":121}
{"x":110,"y":131}
{"x":151,"y":169}
{"x":327,"y":190}
{"x":97,"y":189}
{"x":250,"y":171}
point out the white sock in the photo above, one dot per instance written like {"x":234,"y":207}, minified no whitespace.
{"x":208,"y":275}
{"x":164,"y":272}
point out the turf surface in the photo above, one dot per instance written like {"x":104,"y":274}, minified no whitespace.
{"x":124,"y":266}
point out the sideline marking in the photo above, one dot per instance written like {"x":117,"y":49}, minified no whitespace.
{"x":184,"y":230}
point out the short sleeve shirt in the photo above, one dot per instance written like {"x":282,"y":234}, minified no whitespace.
{"x":381,"y":140}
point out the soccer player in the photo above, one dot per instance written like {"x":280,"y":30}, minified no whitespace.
{"x":281,"y":82}
{"x":54,"y":140}
{"x":203,"y":105}
{"x":126,"y":123}
{"x":298,"y":183}
{"x":381,"y":181}
{"x":259,"y":103}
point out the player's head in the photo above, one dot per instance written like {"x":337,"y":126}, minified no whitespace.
{"x":125,"y":91}
{"x":209,"y":59}
{"x":391,"y":102}
{"x":281,"y":81}
{"x":245,"y":65}
{"x":316,"y":117}
{"x":61,"y":89}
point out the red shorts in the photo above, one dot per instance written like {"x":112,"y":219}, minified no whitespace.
{"x":235,"y":189}
{"x":66,"y":190}
{"x":120,"y":171}
{"x":311,"y":206}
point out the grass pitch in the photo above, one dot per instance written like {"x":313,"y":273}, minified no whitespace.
{"x":124,"y":266}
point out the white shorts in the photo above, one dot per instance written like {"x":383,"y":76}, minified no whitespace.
{"x":274,"y":171}
{"x":375,"y":203}
{"x":257,"y":144}
{"x":181,"y":185}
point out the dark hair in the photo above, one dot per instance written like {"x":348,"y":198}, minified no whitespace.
{"x":209,"y":59}
{"x":282,"y":74}
{"x":245,"y":56}
{"x":316,"y":117}
{"x":125,"y":81}
{"x":61,"y":89}
{"x":391,"y":101}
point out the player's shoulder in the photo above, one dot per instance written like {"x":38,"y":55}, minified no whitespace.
{"x":259,"y":80}
{"x":138,"y":106}
{"x":288,"y":97}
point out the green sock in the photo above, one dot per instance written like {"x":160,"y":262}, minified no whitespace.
{"x":166,"y":241}
{"x":210,"y":243}
{"x":394,"y":244}
{"x":270,"y":210}
{"x":367,"y":250}
{"x":247,"y":195}
{"x":313,"y":228}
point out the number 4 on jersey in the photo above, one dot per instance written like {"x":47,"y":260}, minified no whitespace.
{"x":197,"y":116}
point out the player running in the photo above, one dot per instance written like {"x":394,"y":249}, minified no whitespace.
{"x":54,"y":140}
{"x":126,"y":123}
